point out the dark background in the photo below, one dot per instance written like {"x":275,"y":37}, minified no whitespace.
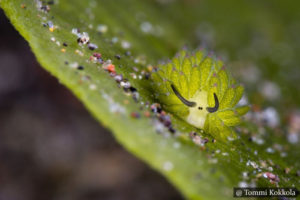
{"x":51,"y":147}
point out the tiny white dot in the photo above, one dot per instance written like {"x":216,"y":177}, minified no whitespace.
{"x":168,"y":166}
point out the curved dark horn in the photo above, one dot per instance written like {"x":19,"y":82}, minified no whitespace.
{"x":214,"y":109}
{"x":182,"y":99}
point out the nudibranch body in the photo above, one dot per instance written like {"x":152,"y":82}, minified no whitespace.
{"x":199,"y":89}
{"x":197,"y":115}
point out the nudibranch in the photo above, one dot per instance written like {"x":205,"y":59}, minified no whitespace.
{"x":199,"y":89}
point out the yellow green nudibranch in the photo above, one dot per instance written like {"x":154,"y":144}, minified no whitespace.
{"x":199,"y":89}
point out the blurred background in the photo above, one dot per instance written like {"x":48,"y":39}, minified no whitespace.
{"x":50,"y":146}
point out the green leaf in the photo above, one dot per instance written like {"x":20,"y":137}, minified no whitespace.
{"x":141,"y":33}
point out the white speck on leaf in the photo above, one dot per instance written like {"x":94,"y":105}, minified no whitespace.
{"x":113,"y":106}
{"x":125,"y":44}
{"x":146,"y":27}
{"x":102,"y":28}
{"x":168,"y":166}
{"x":243,"y":184}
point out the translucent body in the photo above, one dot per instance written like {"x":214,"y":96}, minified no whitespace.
{"x":197,"y":115}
